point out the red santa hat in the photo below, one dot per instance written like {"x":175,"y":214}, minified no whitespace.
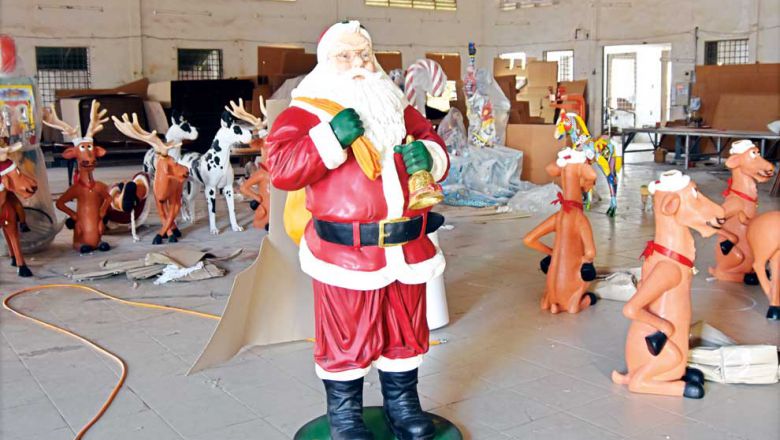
{"x":329,"y":39}
{"x":669,"y":181}
{"x":741,"y":146}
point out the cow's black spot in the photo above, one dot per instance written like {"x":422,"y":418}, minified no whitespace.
{"x":236,"y":129}
{"x":216,"y":160}
{"x":213,"y":205}
{"x":215,"y":146}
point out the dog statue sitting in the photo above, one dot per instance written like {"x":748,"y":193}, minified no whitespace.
{"x":734,"y":260}
{"x":569,"y":264}
{"x":660,"y":310}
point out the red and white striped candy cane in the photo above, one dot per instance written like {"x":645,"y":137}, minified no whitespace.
{"x":434,"y":82}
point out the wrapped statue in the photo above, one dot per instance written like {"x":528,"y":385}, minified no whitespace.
{"x":351,"y":141}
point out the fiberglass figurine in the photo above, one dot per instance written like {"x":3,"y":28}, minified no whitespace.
{"x":92,"y":197}
{"x":734,"y":260}
{"x":569,"y":263}
{"x":763,"y":234}
{"x":660,"y":310}
{"x":12,"y":181}
{"x":368,"y":253}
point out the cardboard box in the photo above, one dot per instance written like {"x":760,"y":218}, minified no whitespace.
{"x":539,"y":147}
{"x":507,"y":85}
{"x":519,"y":113}
{"x":137,"y":88}
{"x":389,"y":60}
{"x":542,"y":74}
{"x":270,"y":59}
{"x":538,"y":102}
{"x":501,"y":67}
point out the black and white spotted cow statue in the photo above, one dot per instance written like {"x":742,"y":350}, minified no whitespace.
{"x":213,"y":171}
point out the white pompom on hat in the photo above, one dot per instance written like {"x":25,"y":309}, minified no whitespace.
{"x":669,"y":181}
{"x":329,"y":39}
{"x":741,"y":146}
{"x":570,"y":155}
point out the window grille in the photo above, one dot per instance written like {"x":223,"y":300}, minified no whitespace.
{"x":200,"y":63}
{"x":565,"y":60}
{"x":61,"y":68}
{"x":439,"y":5}
{"x":722,"y":52}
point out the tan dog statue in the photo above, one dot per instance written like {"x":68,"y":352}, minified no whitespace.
{"x":569,"y":264}
{"x":763,"y":235}
{"x":734,"y":260}
{"x":660,"y":310}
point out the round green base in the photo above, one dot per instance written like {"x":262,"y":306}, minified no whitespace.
{"x":374,"y":416}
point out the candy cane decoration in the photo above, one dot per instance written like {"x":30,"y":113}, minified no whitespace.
{"x":424,"y":76}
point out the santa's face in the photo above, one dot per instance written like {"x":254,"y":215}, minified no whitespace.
{"x":352,"y":54}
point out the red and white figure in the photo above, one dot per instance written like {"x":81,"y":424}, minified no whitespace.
{"x":369,"y":296}
{"x":422,"y":78}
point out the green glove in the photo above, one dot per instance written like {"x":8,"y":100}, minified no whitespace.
{"x":416,"y":157}
{"x":347,"y":126}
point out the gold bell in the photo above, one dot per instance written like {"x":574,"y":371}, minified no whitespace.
{"x":424,"y":192}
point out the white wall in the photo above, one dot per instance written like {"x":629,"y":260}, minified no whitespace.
{"x":128,"y":40}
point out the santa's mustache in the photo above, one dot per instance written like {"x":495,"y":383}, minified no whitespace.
{"x":360,"y":71}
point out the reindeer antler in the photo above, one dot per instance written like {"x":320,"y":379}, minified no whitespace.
{"x":132,"y":129}
{"x":238,"y":111}
{"x":96,"y":119}
{"x":262,"y":107}
{"x":5,"y":151}
{"x":50,"y":118}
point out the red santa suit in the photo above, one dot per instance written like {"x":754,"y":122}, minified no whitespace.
{"x":369,"y":300}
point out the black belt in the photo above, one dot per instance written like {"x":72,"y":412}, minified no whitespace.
{"x":392,"y":232}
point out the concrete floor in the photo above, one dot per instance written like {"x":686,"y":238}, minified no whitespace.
{"x":509,"y":370}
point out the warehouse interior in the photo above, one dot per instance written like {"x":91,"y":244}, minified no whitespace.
{"x":179,"y":233}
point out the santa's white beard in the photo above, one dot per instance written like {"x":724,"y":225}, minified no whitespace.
{"x":377,"y":100}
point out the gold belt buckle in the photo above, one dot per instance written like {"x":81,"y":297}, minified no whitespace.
{"x":383,"y":234}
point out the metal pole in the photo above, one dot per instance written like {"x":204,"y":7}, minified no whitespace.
{"x":687,"y":150}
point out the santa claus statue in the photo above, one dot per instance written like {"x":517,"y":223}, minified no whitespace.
{"x":352,"y":141}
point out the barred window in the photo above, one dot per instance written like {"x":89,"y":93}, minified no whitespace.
{"x":439,"y":5}
{"x":565,"y":60}
{"x":511,"y":5}
{"x":61,"y":68}
{"x":722,"y":52}
{"x":200,"y":63}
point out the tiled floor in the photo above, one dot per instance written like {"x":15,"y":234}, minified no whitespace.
{"x":508,"y":371}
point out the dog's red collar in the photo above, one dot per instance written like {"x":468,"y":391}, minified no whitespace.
{"x":567,"y":205}
{"x":740,"y":194}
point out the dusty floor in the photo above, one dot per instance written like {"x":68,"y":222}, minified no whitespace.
{"x":509,"y":370}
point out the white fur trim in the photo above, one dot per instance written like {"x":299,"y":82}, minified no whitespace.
{"x":341,"y":376}
{"x":81,"y":140}
{"x":669,"y":181}
{"x":331,"y":152}
{"x":398,"y":365}
{"x":741,"y":146}
{"x":8,"y":170}
{"x":570,"y":155}
{"x":331,"y":38}
{"x":439,"y":159}
{"x":2,"y":187}
{"x":395,"y":269}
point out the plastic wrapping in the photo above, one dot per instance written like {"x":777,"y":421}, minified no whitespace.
{"x":535,"y":199}
{"x":483,"y":176}
{"x":453,"y":132}
{"x":488,"y":112}
{"x":20,"y":113}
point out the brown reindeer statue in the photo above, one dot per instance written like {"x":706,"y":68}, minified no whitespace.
{"x":12,"y":181}
{"x":569,"y":263}
{"x":734,"y":260}
{"x":660,"y":310}
{"x":169,"y":176}
{"x":763,"y":234}
{"x":91,"y":196}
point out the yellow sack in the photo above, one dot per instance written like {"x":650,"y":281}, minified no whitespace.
{"x":296,"y":216}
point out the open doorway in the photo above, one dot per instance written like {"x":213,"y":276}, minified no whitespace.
{"x":636,"y":85}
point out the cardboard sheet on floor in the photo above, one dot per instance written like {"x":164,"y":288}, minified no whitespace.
{"x":271,"y":301}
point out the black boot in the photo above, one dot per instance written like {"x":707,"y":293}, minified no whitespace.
{"x":402,"y":406}
{"x":345,"y":410}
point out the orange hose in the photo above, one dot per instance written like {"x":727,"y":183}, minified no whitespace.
{"x":95,"y":346}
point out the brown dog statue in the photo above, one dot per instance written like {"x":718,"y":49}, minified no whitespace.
{"x":12,"y":181}
{"x":734,"y":260}
{"x":261,"y":198}
{"x":763,"y":235}
{"x":569,"y":264}
{"x":92,"y":197}
{"x":660,"y":310}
